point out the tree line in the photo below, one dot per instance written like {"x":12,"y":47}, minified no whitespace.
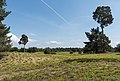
{"x":55,"y":50}
{"x":46,"y":50}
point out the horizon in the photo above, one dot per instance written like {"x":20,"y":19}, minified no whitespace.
{"x":47,"y":23}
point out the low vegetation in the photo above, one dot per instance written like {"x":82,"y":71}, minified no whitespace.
{"x":59,"y":67}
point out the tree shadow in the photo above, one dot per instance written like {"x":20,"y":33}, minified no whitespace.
{"x":2,"y":56}
{"x":92,"y":60}
{"x":118,"y":54}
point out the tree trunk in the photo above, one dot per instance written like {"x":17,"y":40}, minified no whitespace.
{"x":24,"y":48}
{"x":103,"y":49}
{"x":102,"y":31}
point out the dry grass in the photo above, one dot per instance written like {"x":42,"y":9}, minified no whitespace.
{"x":60,"y":67}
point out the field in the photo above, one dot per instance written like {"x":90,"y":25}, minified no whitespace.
{"x":59,"y":67}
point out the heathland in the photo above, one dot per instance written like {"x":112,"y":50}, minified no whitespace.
{"x":59,"y":67}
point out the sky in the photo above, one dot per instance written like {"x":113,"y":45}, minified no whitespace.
{"x":58,"y":23}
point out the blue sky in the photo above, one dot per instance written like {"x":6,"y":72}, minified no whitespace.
{"x":58,"y":23}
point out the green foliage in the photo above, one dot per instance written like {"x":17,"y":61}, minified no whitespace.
{"x":2,"y":3}
{"x":96,"y":44}
{"x":14,"y":49}
{"x":66,"y":49}
{"x":103,"y":16}
{"x":32,"y":49}
{"x":5,"y":42}
{"x":71,"y":52}
{"x":117,"y":48}
{"x":23,"y":40}
{"x":47,"y":51}
{"x":53,"y":50}
{"x":80,"y":51}
{"x":22,"y":49}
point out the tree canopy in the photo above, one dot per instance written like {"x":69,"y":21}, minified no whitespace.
{"x":103,"y":16}
{"x":94,"y":45}
{"x":117,"y":48}
{"x":5,"y":42}
{"x":23,"y":40}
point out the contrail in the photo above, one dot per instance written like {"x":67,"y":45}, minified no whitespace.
{"x":60,"y":16}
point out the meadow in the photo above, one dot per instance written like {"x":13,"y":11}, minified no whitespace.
{"x":59,"y":67}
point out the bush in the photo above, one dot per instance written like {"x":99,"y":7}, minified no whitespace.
{"x":14,"y":49}
{"x":21,"y":50}
{"x":80,"y":52}
{"x":117,"y":48}
{"x":71,"y":52}
{"x":32,"y":49}
{"x":47,"y":51}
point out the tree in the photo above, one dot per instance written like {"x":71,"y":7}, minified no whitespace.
{"x":117,"y":48}
{"x":95,"y":41}
{"x":104,"y":17}
{"x":14,"y":49}
{"x":32,"y":49}
{"x":47,"y":51}
{"x":23,"y":40}
{"x":5,"y":42}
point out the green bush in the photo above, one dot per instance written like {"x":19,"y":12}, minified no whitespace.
{"x":14,"y":49}
{"x":47,"y":51}
{"x":32,"y":49}
{"x":71,"y":52}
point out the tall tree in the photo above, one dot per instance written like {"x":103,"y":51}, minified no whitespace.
{"x":104,"y":17}
{"x":95,"y":41}
{"x":5,"y":41}
{"x":23,"y":40}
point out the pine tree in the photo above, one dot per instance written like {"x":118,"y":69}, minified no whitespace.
{"x":103,"y":16}
{"x":23,"y":40}
{"x":95,"y":44}
{"x":5,"y":42}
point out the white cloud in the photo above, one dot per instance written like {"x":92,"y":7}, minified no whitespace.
{"x":54,"y":42}
{"x":114,"y":43}
{"x":31,"y":40}
{"x":14,"y":37}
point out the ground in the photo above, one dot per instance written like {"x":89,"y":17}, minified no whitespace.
{"x":59,"y":67}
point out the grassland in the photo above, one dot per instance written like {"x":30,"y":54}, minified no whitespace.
{"x":59,"y":67}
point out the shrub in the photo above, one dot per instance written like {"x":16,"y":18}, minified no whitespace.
{"x":71,"y":52}
{"x":47,"y":51}
{"x":14,"y":49}
{"x":32,"y":49}
{"x":117,"y":48}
